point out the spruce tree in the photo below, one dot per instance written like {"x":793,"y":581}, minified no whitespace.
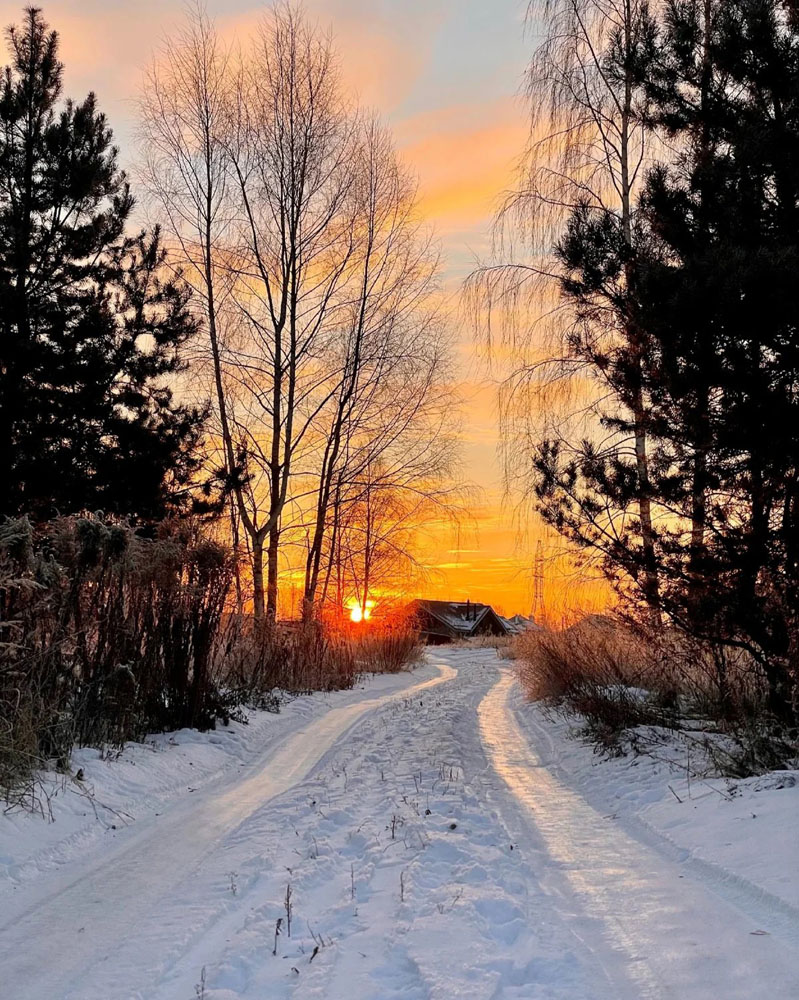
{"x":90,"y":325}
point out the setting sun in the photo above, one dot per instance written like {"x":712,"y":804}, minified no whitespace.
{"x":359,"y":613}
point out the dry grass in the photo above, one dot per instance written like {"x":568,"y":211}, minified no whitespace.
{"x":616,"y":677}
{"x":253,"y":663}
{"x":503,"y":644}
{"x":387,"y":650}
{"x":254,"y":660}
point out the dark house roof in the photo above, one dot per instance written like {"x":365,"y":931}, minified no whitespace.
{"x":444,"y":621}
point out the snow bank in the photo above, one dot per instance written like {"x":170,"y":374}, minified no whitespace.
{"x":117,"y":789}
{"x":744,"y":830}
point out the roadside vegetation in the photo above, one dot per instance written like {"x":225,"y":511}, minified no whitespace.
{"x":109,"y":635}
{"x":629,"y":689}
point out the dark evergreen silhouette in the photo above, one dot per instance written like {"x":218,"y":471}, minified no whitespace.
{"x":710,"y":285}
{"x":91,"y":323}
{"x":718,"y":297}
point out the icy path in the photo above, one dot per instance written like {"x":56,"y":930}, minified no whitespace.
{"x":429,"y":854}
{"x":640,"y":914}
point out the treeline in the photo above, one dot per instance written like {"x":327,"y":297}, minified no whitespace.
{"x":660,"y":195}
{"x":251,"y":390}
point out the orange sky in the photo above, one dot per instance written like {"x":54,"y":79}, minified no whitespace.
{"x":445,"y":74}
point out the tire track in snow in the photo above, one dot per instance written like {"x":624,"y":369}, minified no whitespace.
{"x":658,"y":934}
{"x":474,"y":922}
{"x":765,"y":909}
{"x":69,"y":943}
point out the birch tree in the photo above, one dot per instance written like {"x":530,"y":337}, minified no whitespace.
{"x":184,"y":115}
{"x":586,"y":151}
{"x":298,"y":224}
{"x":393,"y":384}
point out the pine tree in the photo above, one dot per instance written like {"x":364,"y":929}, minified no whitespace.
{"x":708,"y":283}
{"x":590,"y":490}
{"x":91,"y":329}
{"x":717,"y":298}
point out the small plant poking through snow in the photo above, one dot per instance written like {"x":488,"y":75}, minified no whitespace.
{"x":287,"y":904}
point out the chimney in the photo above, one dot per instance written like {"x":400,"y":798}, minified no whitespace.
{"x":468,"y":610}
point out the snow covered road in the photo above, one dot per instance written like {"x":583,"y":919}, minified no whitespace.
{"x":70,"y":936}
{"x":418,"y":847}
{"x":643,"y":917}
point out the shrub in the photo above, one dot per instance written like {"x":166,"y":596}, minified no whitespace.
{"x":617,"y":675}
{"x":298,"y":657}
{"x":104,"y":636}
{"x":600,"y":670}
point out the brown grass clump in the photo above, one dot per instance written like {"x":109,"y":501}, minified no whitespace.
{"x":616,"y":676}
{"x":387,"y":650}
{"x":253,"y":661}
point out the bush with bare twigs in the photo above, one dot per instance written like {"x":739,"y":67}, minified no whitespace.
{"x":106,"y":636}
{"x":256,"y":660}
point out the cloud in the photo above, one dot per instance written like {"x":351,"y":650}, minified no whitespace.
{"x":382,"y":55}
{"x":465,"y":156}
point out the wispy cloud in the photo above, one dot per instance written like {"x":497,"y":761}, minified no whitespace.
{"x":465,"y":156}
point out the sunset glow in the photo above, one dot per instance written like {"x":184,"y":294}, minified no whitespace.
{"x":399,"y":435}
{"x":448,"y":87}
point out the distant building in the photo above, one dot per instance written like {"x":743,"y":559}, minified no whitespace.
{"x":518,"y":624}
{"x":446,"y":621}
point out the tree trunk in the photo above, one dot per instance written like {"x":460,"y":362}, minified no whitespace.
{"x":272,"y":573}
{"x":651,"y":583}
{"x":696,"y":551}
{"x":258,"y":577}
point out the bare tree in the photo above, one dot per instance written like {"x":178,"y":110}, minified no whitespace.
{"x":587,"y":147}
{"x":297,"y":224}
{"x":184,"y":112}
{"x":377,"y":537}
{"x":290,"y":158}
{"x":394,"y":373}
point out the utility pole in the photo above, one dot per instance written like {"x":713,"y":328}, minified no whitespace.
{"x":538,"y":584}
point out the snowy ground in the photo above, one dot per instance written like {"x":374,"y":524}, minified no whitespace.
{"x":741,"y":833}
{"x":440,"y":839}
